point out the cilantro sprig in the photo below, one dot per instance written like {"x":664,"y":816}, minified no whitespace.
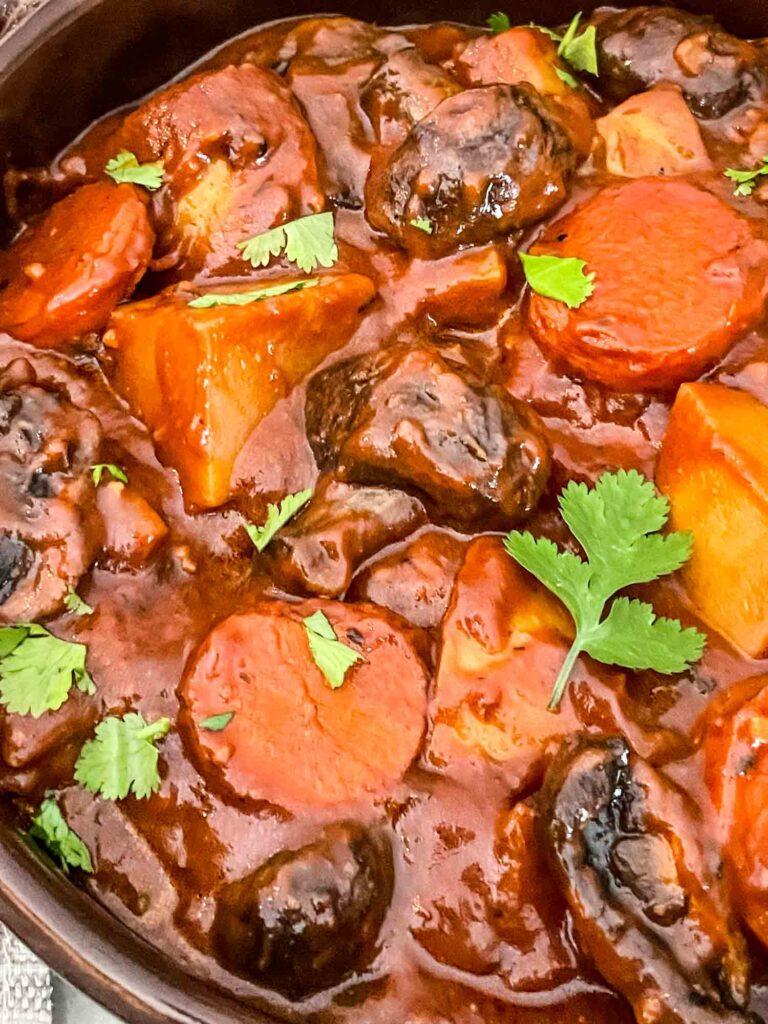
{"x":38,"y":669}
{"x":498,"y":22}
{"x":332,"y":657}
{"x":578,"y":50}
{"x":217,"y":723}
{"x":125,"y":168}
{"x":75,"y":604}
{"x":422,"y":224}
{"x":211,"y":299}
{"x":50,"y":830}
{"x":308,"y":242}
{"x":558,"y":277}
{"x":277,"y":517}
{"x":616,"y":522}
{"x":116,"y":472}
{"x":746,"y":181}
{"x":122,"y":757}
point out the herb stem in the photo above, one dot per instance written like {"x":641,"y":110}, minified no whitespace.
{"x":564,"y":675}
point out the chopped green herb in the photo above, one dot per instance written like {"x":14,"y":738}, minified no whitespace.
{"x":122,"y":757}
{"x":75,"y":604}
{"x":498,"y":22}
{"x":211,"y":299}
{"x":277,"y":517}
{"x":117,"y":472}
{"x":558,"y":277}
{"x":617,"y":523}
{"x":308,"y":242}
{"x":332,"y":657}
{"x":125,"y":168}
{"x":37,"y":669}
{"x":51,"y":831}
{"x":217,"y":722}
{"x":580,"y":51}
{"x":564,"y":76}
{"x":746,"y":181}
{"x":422,"y":224}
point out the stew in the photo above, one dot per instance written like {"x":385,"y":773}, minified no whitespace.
{"x":384,"y":520}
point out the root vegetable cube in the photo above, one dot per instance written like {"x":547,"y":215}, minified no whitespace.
{"x":714,"y":470}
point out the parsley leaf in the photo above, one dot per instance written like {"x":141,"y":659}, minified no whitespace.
{"x":617,"y":523}
{"x":277,"y":517}
{"x":75,"y":604}
{"x":422,"y":224}
{"x":51,"y":831}
{"x":564,"y":76}
{"x":746,"y":181}
{"x":125,"y":167}
{"x":116,"y":472}
{"x":558,"y":277}
{"x":498,"y":22}
{"x":332,"y":657}
{"x":217,"y":722}
{"x":579,"y":51}
{"x":37,"y":669}
{"x":211,"y":299}
{"x":308,"y":242}
{"x":122,"y":757}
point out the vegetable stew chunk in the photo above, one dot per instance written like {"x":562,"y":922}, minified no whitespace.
{"x":643,"y":888}
{"x":324,"y":745}
{"x":407,"y":417}
{"x":485,"y":162}
{"x":308,"y":918}
{"x":203,"y":379}
{"x":48,"y":531}
{"x":643,"y":46}
{"x":679,"y":277}
{"x":343,"y":526}
{"x":63,"y":276}
{"x":713,"y":469}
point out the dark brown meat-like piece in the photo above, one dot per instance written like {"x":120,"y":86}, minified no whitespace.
{"x":406,"y":417}
{"x":308,"y":918}
{"x":63,"y":276}
{"x":402,"y":92}
{"x":343,"y":525}
{"x":642,"y":46}
{"x":485,"y":162}
{"x":647,"y":903}
{"x":47,"y":534}
{"x":415,"y":580}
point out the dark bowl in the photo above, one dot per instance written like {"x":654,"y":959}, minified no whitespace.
{"x":69,"y":62}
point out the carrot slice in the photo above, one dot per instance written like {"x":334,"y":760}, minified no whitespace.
{"x":68,"y":272}
{"x":293,"y":740}
{"x":679,"y":276}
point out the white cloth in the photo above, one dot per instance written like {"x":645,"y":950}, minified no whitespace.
{"x":25,"y":984}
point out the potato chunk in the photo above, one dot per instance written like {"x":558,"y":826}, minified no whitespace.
{"x":652,"y":133}
{"x":202,"y":379}
{"x":714,"y":472}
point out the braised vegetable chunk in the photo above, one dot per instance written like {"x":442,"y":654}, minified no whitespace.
{"x":484,"y":162}
{"x":643,"y":890}
{"x":737,"y":773}
{"x":407,"y":417}
{"x":325,"y":745}
{"x":203,"y":378}
{"x":48,"y":536}
{"x":308,"y":918}
{"x":713,"y":470}
{"x":342,"y":527}
{"x":679,"y":277}
{"x":63,"y":276}
{"x":132,"y":529}
{"x":653,"y":133}
{"x":643,"y":46}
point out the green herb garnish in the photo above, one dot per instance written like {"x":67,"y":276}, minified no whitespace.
{"x":746,"y":181}
{"x":116,"y":472}
{"x":75,"y":604}
{"x":558,"y":277}
{"x":125,"y":168}
{"x":308,"y":242}
{"x":51,"y":831}
{"x":122,"y":757}
{"x":217,"y":722}
{"x":617,"y":523}
{"x":37,"y":669}
{"x":277,"y":517}
{"x":332,"y":657}
{"x":580,"y":51}
{"x":498,"y":22}
{"x":422,"y":224}
{"x":211,"y":299}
